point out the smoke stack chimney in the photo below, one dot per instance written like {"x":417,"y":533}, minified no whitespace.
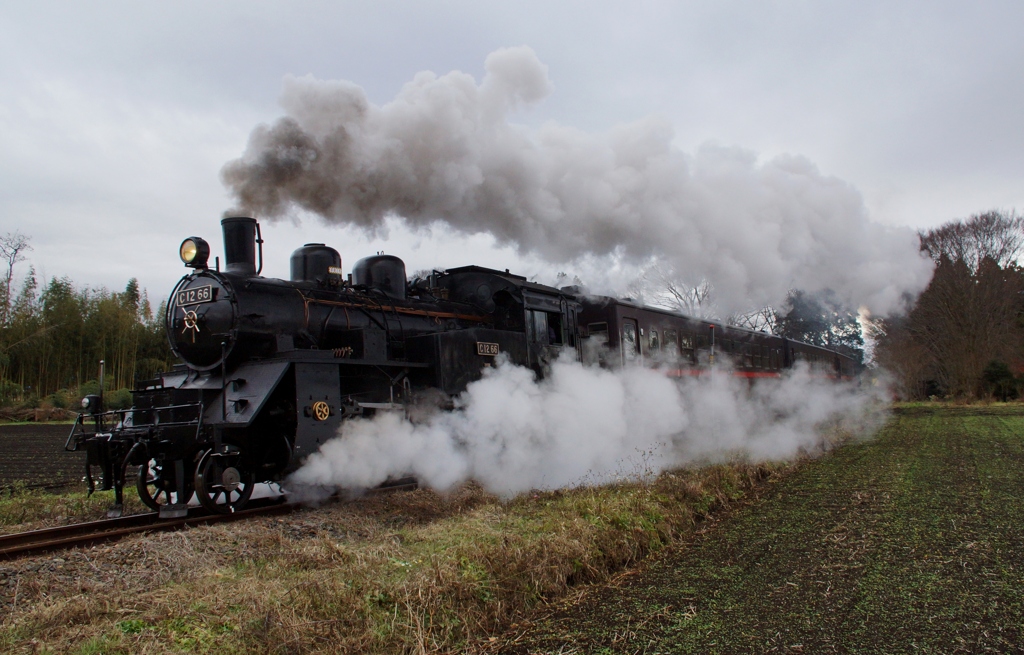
{"x":239,"y":245}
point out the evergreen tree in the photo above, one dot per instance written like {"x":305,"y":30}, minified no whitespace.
{"x":821,"y":319}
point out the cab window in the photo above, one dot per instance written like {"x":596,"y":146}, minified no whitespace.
{"x":537,"y":325}
{"x":544,"y":327}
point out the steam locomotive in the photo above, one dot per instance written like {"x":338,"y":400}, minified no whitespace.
{"x":270,"y":368}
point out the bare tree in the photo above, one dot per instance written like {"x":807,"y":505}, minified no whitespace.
{"x":12,"y":250}
{"x":661,"y":285}
{"x":994,"y":235}
{"x":765,"y":319}
{"x":903,"y":356}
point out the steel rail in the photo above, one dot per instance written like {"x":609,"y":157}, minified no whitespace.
{"x":46,"y":540}
{"x":87,"y":534}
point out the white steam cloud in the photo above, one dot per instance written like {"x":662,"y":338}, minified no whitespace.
{"x":444,"y":151}
{"x":586,"y":425}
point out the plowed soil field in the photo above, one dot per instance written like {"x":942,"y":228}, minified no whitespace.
{"x":33,"y":454}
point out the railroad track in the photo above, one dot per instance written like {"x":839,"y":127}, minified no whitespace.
{"x":87,"y":534}
{"x":94,"y":532}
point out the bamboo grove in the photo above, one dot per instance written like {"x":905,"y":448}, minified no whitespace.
{"x":53,"y":338}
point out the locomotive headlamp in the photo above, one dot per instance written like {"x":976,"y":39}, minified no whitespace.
{"x":91,"y":404}
{"x":194,"y":252}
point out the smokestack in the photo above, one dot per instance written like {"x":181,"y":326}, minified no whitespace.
{"x":239,"y":244}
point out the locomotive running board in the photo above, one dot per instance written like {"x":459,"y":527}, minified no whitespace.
{"x":381,"y":405}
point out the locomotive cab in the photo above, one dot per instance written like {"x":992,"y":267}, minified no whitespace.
{"x":543,"y":318}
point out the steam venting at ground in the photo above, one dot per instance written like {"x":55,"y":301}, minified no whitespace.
{"x":444,"y":151}
{"x":587,"y":426}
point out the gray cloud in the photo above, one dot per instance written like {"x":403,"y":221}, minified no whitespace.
{"x":118,"y":116}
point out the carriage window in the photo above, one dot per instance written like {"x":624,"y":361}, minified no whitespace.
{"x":686,"y":343}
{"x":629,"y":342}
{"x":671,"y":343}
{"x":594,"y":348}
{"x":655,"y":345}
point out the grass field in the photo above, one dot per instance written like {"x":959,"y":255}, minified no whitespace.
{"x":404,"y":573}
{"x":910,"y":543}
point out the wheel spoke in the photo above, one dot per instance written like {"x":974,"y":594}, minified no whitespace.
{"x":222,"y":484}
{"x":157,"y":486}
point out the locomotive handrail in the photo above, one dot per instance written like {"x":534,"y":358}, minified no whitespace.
{"x":71,"y":435}
{"x":166,"y":408}
{"x":324,"y":355}
{"x":400,"y":310}
{"x":121,"y":415}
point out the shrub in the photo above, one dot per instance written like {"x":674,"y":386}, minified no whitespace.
{"x":9,"y":391}
{"x":999,"y":381}
{"x":118,"y":399}
{"x":62,"y":399}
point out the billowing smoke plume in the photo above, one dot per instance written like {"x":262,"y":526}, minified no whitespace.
{"x":444,"y":151}
{"x":585,"y":425}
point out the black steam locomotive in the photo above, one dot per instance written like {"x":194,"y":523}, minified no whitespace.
{"x":270,"y":368}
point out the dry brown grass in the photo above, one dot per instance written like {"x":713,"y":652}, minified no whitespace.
{"x":408,"y":573}
{"x":24,"y":509}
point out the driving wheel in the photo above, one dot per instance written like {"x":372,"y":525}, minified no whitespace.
{"x":223,"y":484}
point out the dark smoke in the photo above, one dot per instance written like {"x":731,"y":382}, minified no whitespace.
{"x":444,"y":151}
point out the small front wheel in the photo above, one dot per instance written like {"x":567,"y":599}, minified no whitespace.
{"x":158,"y":487}
{"x":223,"y":484}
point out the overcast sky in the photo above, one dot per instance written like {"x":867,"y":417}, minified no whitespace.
{"x":117,"y":117}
